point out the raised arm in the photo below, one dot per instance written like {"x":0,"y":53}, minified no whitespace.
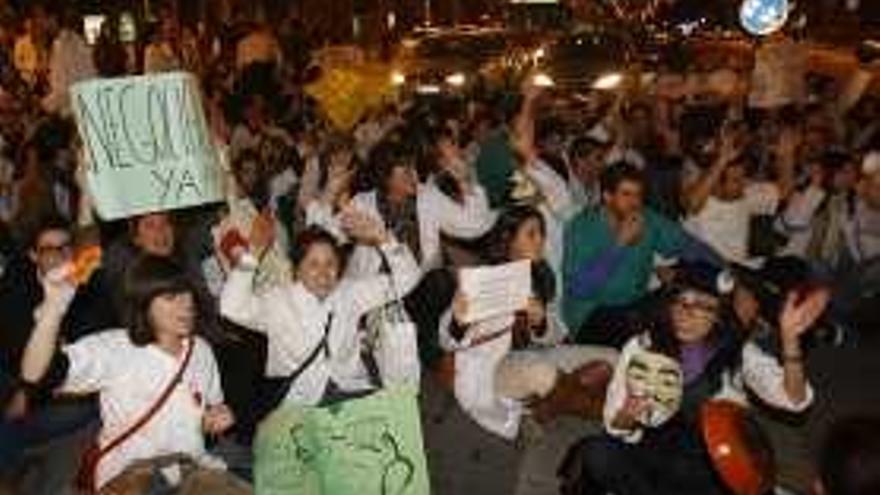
{"x":696,"y":194}
{"x":43,"y":344}
{"x":786,"y":156}
{"x":375,"y":291}
{"x":553,"y":188}
{"x":238,"y":301}
{"x":466,"y":220}
{"x":781,"y":382}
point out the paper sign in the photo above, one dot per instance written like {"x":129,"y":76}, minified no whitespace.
{"x":147,"y":144}
{"x":367,"y":446}
{"x":495,"y":290}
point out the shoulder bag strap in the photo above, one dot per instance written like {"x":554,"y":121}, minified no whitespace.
{"x":151,"y":412}
{"x":323,"y":345}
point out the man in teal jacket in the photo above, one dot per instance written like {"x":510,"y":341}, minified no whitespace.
{"x":609,"y":257}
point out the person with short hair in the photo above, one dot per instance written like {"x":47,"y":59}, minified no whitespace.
{"x":317,"y":313}
{"x":609,"y":256}
{"x":130,"y":368}
{"x":693,"y":351}
{"x":724,"y":200}
{"x":32,"y":419}
{"x":586,"y":160}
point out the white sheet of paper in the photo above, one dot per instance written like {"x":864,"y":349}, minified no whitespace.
{"x":495,"y":290}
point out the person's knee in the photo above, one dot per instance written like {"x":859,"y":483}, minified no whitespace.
{"x":522,"y":379}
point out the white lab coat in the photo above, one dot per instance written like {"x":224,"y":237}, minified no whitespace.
{"x":436,"y":212}
{"x":294,"y":321}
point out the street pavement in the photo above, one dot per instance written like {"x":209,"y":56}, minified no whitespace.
{"x":466,"y":460}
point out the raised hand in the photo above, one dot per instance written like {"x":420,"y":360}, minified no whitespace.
{"x":363,"y":227}
{"x":800,"y":312}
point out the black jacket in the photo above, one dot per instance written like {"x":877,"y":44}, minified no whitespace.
{"x":91,"y":311}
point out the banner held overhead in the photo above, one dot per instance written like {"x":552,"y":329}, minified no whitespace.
{"x":147,"y":144}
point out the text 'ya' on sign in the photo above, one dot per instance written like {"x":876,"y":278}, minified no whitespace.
{"x":147,"y":144}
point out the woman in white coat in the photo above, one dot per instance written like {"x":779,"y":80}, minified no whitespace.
{"x":319,"y":310}
{"x":511,"y":364}
{"x":415,"y":213}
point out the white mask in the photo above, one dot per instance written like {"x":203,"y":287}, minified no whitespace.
{"x":659,"y":379}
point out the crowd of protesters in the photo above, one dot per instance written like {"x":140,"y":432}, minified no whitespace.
{"x":726,"y":234}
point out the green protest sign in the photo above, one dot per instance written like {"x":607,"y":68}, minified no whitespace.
{"x":147,"y":144}
{"x":367,"y":446}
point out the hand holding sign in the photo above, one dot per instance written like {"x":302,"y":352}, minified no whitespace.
{"x":494,"y":291}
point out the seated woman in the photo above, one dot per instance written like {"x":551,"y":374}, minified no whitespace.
{"x":312,"y":322}
{"x":508,"y":364}
{"x":692,"y":352}
{"x":157,"y":374}
{"x":416,"y":213}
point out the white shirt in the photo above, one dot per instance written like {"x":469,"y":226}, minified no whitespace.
{"x":129,"y":380}
{"x":475,"y":374}
{"x":294,"y":321}
{"x":759,"y":372}
{"x":724,"y":225}
{"x":436,"y":213}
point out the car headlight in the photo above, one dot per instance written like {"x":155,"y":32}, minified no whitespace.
{"x":543,"y":80}
{"x":428,"y":89}
{"x":457,"y":79}
{"x":608,"y":81}
{"x":398,"y":78}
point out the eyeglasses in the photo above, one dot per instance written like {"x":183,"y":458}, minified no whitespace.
{"x":54,"y":248}
{"x":693,"y":302}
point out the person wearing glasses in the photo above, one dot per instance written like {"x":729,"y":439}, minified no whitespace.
{"x":27,"y":420}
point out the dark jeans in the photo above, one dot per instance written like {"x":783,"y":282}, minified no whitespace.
{"x":612,"y":465}
{"x":55,"y":419}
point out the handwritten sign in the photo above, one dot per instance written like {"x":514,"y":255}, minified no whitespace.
{"x":367,"y":446}
{"x":147,"y":144}
{"x":495,"y":290}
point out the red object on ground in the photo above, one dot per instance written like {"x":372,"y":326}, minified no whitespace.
{"x":739,"y":450}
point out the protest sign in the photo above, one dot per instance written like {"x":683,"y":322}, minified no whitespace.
{"x":367,"y":446}
{"x":495,"y":290}
{"x":147,"y":144}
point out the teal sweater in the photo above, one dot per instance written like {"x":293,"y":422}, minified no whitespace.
{"x":590,"y":242}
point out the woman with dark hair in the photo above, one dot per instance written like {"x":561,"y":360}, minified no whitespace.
{"x":415,"y":213}
{"x":509,"y":364}
{"x":691,"y":352}
{"x":312,"y":322}
{"x":157,"y":380}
